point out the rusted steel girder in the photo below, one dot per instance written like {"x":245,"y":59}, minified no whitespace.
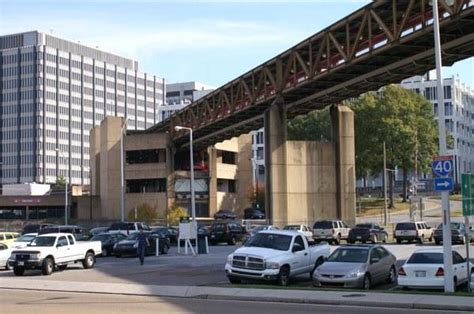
{"x":352,"y":56}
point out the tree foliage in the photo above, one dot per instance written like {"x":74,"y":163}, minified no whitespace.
{"x":144,"y":212}
{"x":315,"y":126}
{"x":61,"y":181}
{"x":404,"y":121}
{"x":174,"y":213}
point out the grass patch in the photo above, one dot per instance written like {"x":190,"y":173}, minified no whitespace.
{"x":374,"y":206}
{"x":454,"y":197}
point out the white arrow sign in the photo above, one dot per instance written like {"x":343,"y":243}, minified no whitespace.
{"x":444,"y":183}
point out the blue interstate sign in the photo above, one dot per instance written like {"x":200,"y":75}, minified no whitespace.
{"x":443,"y":167}
{"x":443,"y":184}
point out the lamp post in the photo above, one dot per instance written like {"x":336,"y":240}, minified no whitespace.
{"x":447,"y":246}
{"x":122,"y":184}
{"x":65,"y":190}
{"x":255,"y":177}
{"x":191,"y":161}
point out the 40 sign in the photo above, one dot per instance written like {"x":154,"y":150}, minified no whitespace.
{"x":443,"y":166}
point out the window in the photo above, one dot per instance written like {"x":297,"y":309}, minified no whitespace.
{"x":62,"y":241}
{"x":226,"y":157}
{"x":457,"y":259}
{"x":146,"y":156}
{"x":299,"y":241}
{"x":146,"y":186}
{"x":71,"y":239}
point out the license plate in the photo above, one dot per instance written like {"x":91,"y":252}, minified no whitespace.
{"x":420,"y":273}
{"x":359,"y":237}
{"x":21,"y":263}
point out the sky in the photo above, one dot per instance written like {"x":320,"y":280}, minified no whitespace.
{"x":209,"y":41}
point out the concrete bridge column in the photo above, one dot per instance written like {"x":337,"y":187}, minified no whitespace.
{"x":343,"y":131}
{"x":276,"y":198}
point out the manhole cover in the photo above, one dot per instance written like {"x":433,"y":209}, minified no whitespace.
{"x":354,"y":295}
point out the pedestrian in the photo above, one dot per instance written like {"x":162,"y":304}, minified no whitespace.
{"x":142,"y":244}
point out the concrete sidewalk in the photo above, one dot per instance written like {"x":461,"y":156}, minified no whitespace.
{"x":354,"y":298}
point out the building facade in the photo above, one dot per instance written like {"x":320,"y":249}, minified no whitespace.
{"x":179,"y":95}
{"x":53,"y":92}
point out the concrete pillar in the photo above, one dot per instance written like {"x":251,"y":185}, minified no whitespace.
{"x":212,"y":152}
{"x":343,"y":133}
{"x":170,"y":178}
{"x":276,"y":197}
{"x":94,"y":160}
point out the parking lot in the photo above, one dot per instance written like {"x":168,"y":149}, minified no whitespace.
{"x":178,"y":269}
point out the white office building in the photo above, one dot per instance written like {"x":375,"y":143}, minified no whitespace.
{"x":53,"y":91}
{"x":179,"y":95}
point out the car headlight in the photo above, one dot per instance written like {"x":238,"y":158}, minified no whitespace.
{"x":35,"y":256}
{"x":353,"y":274}
{"x":230,"y":258}
{"x":273,"y":265}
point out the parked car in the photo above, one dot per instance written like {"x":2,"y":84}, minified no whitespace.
{"x":225,"y":214}
{"x":361,"y":266}
{"x":129,"y":245}
{"x":171,"y":233}
{"x":305,"y":230}
{"x":367,"y":232}
{"x":412,"y":231}
{"x":80,"y":233}
{"x":8,"y":238}
{"x":5,"y":253}
{"x":229,"y":232}
{"x":98,"y":230}
{"x":458,"y":233}
{"x":35,"y":228}
{"x":275,"y":255}
{"x":253,"y":213}
{"x":128,"y":228}
{"x":256,"y":229}
{"x":108,"y":241}
{"x":332,"y":231}
{"x":54,"y":250}
{"x":425,"y":269}
{"x":23,"y":240}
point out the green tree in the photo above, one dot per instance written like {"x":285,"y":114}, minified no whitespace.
{"x":174,"y":213}
{"x":315,"y":126}
{"x":61,"y":181}
{"x":144,"y":212}
{"x":404,"y":121}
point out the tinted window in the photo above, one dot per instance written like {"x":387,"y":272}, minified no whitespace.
{"x":71,"y":239}
{"x":2,"y":237}
{"x":364,"y":226}
{"x":270,"y":241}
{"x":457,"y":258}
{"x":405,"y":226}
{"x":217,"y":227}
{"x":119,"y":226}
{"x":349,"y":255}
{"x":62,"y":241}
{"x":322,"y":225}
{"x":383,"y":252}
{"x":9,"y":236}
{"x":426,"y":258}
{"x":375,"y":254}
{"x":299,"y":240}
{"x":43,"y":241}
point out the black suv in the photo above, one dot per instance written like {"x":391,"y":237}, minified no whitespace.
{"x":225,"y":214}
{"x":229,"y":232}
{"x":81,"y":234}
{"x":253,"y":213}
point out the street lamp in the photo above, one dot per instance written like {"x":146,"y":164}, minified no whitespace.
{"x":255,"y":177}
{"x":191,"y":161}
{"x":447,"y":246}
{"x":122,"y":184}
{"x":65,"y":190}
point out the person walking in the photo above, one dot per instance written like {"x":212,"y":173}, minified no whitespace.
{"x":142,"y":244}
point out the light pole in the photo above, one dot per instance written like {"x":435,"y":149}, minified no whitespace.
{"x":255,"y":177}
{"x":447,"y":246}
{"x":122,"y":175}
{"x":65,"y":190}
{"x":191,"y":161}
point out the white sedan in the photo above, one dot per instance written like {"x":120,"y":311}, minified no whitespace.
{"x":5,"y":253}
{"x":424,"y":269}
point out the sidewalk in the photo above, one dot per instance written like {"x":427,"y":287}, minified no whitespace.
{"x":354,"y":298}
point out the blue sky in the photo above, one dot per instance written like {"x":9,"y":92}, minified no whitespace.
{"x":210,"y":41}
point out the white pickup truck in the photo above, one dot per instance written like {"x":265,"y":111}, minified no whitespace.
{"x":275,"y":255}
{"x":52,"y":250}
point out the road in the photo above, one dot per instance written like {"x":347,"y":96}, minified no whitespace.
{"x":25,"y":301}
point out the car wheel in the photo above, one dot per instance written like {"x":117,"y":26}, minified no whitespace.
{"x":105,"y":253}
{"x":385,"y":239}
{"x":48,"y":266}
{"x":18,"y":271}
{"x":234,"y":280}
{"x":7,"y":266}
{"x":374,"y":239}
{"x":392,"y":275}
{"x":231,"y":241}
{"x":367,"y":282}
{"x":284,"y":276}
{"x":62,"y":267}
{"x":455,"y":284}
{"x":165,"y":249}
{"x":88,"y":261}
{"x":421,"y":239}
{"x":318,"y":263}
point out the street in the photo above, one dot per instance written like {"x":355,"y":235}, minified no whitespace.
{"x":24,"y":301}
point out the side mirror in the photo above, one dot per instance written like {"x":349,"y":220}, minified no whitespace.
{"x":470,"y":228}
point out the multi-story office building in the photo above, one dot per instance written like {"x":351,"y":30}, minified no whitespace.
{"x":53,"y":91}
{"x":179,"y":95}
{"x":459,"y":116}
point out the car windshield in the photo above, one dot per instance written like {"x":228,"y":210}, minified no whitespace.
{"x":323,"y":225}
{"x":364,"y":226}
{"x":426,"y":258}
{"x":25,"y":238}
{"x":100,"y":237}
{"x":270,"y":241}
{"x":349,"y":255}
{"x":294,"y":227}
{"x":43,"y":241}
{"x":405,"y":226}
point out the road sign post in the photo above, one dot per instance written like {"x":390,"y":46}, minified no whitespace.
{"x":467,"y":189}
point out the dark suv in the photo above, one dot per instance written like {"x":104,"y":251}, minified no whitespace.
{"x":253,"y":213}
{"x":81,"y":234}
{"x":229,"y":232}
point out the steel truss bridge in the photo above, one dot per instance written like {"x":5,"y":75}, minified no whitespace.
{"x":384,"y":42}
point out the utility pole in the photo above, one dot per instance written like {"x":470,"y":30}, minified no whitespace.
{"x":385,"y":211}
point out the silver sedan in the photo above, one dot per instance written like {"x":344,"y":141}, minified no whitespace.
{"x":356,"y":266}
